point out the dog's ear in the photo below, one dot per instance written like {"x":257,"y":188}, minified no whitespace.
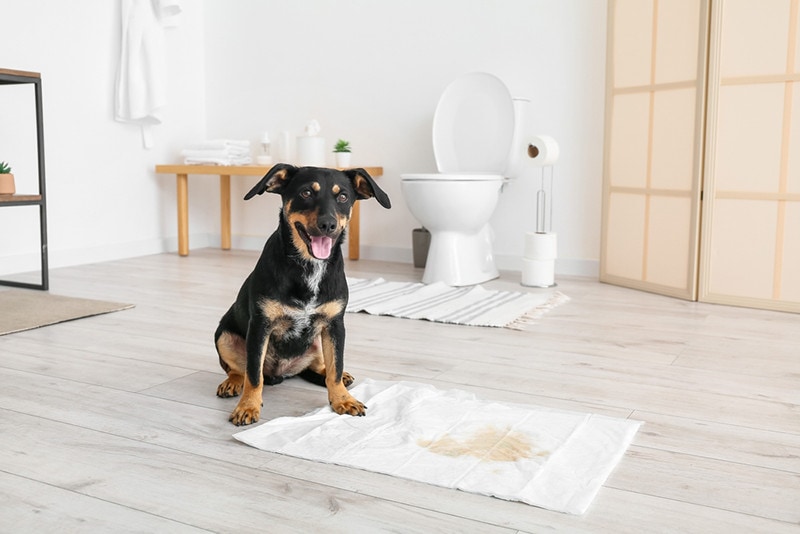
{"x":274,"y":181}
{"x":366,"y":187}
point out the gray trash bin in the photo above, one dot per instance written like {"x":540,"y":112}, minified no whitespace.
{"x":421,"y":241}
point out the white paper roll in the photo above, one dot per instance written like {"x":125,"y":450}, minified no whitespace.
{"x":541,"y":246}
{"x":542,"y":150}
{"x":284,"y":148}
{"x":538,"y":273}
{"x":311,"y":151}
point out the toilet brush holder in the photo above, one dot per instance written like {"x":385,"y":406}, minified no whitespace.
{"x":541,"y":250}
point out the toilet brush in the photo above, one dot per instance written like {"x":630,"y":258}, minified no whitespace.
{"x":538,"y":263}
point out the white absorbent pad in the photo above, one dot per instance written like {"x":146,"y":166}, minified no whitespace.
{"x":549,"y":458}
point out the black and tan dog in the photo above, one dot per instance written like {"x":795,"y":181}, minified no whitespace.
{"x":288,"y":318}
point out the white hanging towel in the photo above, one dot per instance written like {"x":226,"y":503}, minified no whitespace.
{"x":141,"y":78}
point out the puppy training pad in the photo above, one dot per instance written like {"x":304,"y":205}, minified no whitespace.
{"x":549,"y":458}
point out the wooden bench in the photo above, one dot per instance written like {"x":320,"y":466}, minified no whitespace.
{"x":182,"y":173}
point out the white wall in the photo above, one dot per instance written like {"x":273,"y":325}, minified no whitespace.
{"x":370,"y":71}
{"x":104,"y":200}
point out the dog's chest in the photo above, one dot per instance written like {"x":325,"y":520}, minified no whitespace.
{"x":295,"y":321}
{"x":301,"y":321}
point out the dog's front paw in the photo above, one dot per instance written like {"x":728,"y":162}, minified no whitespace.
{"x":245,"y":415}
{"x":230,"y":387}
{"x":348,"y":405}
{"x":347,"y":379}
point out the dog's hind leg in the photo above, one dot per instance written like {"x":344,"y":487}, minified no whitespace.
{"x":315,"y":372}
{"x":233,"y":360}
{"x":248,"y":410}
{"x":318,"y":378}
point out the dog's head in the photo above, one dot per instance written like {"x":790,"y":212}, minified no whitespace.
{"x":317,"y":203}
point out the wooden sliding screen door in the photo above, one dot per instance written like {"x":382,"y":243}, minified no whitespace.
{"x":655,"y":107}
{"x":751,"y":212}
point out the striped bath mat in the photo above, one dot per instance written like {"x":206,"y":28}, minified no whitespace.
{"x":474,"y":305}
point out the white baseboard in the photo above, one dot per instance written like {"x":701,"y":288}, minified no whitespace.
{"x":28,"y":262}
{"x":244,"y":242}
{"x":393,"y":254}
{"x":564,"y":266}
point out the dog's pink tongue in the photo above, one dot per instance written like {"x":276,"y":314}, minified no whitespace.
{"x":321,"y":247}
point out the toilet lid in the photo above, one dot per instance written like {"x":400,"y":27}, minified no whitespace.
{"x":452,"y":177}
{"x":473,"y":125}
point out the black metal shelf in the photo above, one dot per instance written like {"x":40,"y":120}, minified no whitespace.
{"x":14,"y":77}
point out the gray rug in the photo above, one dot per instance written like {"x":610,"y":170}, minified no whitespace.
{"x":27,"y":309}
{"x":471,"y":305}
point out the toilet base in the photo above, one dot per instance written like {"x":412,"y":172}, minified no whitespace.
{"x":459,"y":259}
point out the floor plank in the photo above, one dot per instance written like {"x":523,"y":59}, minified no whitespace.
{"x":31,"y":505}
{"x":215,"y":495}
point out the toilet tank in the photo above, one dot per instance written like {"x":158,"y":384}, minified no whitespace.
{"x":518,"y":152}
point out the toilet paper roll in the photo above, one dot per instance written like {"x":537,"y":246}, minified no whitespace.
{"x":542,"y":150}
{"x":538,"y":273}
{"x":540,"y":246}
{"x":284,"y":148}
{"x":311,"y":151}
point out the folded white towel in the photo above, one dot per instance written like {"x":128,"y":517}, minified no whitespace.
{"x":220,"y":144}
{"x":226,"y":153}
{"x":244,"y":160}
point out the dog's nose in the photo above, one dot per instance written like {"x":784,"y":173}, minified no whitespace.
{"x":326,"y":225}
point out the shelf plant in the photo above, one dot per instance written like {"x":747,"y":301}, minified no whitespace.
{"x":6,"y":179}
{"x":342,"y":146}
{"x":342,"y":151}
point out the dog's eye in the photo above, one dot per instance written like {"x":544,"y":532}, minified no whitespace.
{"x":342,"y":198}
{"x":305,"y":194}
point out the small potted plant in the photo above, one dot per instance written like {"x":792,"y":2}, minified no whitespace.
{"x":6,"y":179}
{"x":342,"y":151}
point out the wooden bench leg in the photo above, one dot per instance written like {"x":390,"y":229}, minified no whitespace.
{"x":353,"y":232}
{"x":225,"y":210}
{"x":183,"y":214}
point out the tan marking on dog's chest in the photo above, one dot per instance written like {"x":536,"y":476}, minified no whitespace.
{"x":330,"y":309}
{"x":292,"y":320}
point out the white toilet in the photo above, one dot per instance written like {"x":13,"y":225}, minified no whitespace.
{"x":475,"y":127}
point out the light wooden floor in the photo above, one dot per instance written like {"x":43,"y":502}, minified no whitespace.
{"x":110,"y":424}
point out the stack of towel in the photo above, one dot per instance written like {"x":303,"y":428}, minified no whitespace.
{"x":218,"y":152}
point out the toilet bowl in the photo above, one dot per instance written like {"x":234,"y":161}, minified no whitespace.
{"x":456,"y":213}
{"x":475,"y":126}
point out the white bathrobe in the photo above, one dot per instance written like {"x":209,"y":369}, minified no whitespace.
{"x":141,"y":79}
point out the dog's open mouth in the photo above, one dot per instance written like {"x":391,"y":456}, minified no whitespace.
{"x":319,"y":245}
